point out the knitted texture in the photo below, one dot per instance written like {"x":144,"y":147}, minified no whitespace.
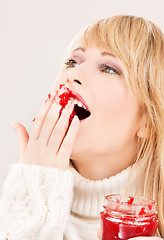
{"x":41,"y":203}
{"x":89,"y":195}
{"x":35,"y":203}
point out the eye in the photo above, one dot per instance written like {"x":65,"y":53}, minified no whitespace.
{"x":71,"y":63}
{"x":107,"y":69}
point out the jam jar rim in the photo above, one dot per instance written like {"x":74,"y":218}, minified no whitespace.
{"x":134,"y":204}
{"x":132,"y":207}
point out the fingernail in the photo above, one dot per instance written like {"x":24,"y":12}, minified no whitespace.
{"x":53,"y":95}
{"x":48,"y":97}
{"x":75,"y":120}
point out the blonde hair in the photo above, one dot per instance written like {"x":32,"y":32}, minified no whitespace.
{"x":139,"y":44}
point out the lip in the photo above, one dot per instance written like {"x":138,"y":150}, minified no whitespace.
{"x":79,"y":97}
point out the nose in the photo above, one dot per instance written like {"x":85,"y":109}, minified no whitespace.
{"x":73,"y":76}
{"x":77,"y":81}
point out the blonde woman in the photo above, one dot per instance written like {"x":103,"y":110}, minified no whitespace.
{"x":115,"y":68}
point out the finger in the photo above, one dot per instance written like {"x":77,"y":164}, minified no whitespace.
{"x":65,"y":150}
{"x":22,"y":136}
{"x":56,"y":83}
{"x":50,"y":122}
{"x":41,"y":116}
{"x":61,"y":127}
{"x":99,"y":233}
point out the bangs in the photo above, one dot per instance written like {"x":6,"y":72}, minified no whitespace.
{"x":101,"y":35}
{"x":109,"y":34}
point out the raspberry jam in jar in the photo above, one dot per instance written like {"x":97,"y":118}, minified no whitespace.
{"x":126,"y":217}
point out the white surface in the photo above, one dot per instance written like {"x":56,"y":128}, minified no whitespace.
{"x":33,"y":37}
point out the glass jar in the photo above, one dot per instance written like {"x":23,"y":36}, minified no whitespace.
{"x":126,"y":217}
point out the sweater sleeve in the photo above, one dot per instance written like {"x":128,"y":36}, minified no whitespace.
{"x":35,"y":203}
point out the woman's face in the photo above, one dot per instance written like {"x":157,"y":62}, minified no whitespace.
{"x":111,"y":128}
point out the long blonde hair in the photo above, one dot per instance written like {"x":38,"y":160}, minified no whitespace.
{"x":139,"y":44}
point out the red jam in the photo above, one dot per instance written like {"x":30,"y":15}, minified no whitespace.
{"x":130,"y":200}
{"x":63,"y":96}
{"x":125,"y":217}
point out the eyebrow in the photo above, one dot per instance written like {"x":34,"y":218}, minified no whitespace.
{"x":107,"y":54}
{"x":104,"y":53}
{"x":79,"y":48}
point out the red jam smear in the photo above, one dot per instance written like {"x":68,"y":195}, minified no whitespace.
{"x":63,"y":97}
{"x":113,"y":229}
{"x":130,"y":200}
{"x":142,"y":212}
{"x":49,"y":95}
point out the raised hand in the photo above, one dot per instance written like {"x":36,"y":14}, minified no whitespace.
{"x":51,"y":138}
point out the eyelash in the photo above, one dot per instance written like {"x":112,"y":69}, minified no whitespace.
{"x":69,"y":62}
{"x":103,"y":67}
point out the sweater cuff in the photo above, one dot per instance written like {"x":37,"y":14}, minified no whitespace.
{"x":35,"y":175}
{"x":44,"y":180}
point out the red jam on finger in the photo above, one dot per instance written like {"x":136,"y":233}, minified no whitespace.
{"x":125,"y":217}
{"x":63,"y":96}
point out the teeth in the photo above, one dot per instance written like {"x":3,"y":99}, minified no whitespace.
{"x":79,"y":103}
{"x":75,"y":101}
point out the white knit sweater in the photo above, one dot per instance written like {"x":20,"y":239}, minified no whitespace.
{"x":41,"y":203}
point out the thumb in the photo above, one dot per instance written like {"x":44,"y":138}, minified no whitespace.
{"x":22,"y":136}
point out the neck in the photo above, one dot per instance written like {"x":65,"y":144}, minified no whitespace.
{"x":100,"y":167}
{"x":89,"y":195}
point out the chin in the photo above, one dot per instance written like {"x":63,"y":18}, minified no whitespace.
{"x":77,"y":152}
{"x":74,"y":154}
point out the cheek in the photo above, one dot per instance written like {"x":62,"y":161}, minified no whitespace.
{"x":114,"y":99}
{"x":116,"y":114}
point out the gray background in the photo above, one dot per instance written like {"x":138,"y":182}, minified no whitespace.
{"x":33,"y":37}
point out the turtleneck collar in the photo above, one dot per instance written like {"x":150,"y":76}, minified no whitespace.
{"x":89,"y":194}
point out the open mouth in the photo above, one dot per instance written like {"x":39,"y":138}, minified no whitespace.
{"x":81,"y":111}
{"x":80,"y":106}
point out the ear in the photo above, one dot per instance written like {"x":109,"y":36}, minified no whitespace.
{"x":141,"y":132}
